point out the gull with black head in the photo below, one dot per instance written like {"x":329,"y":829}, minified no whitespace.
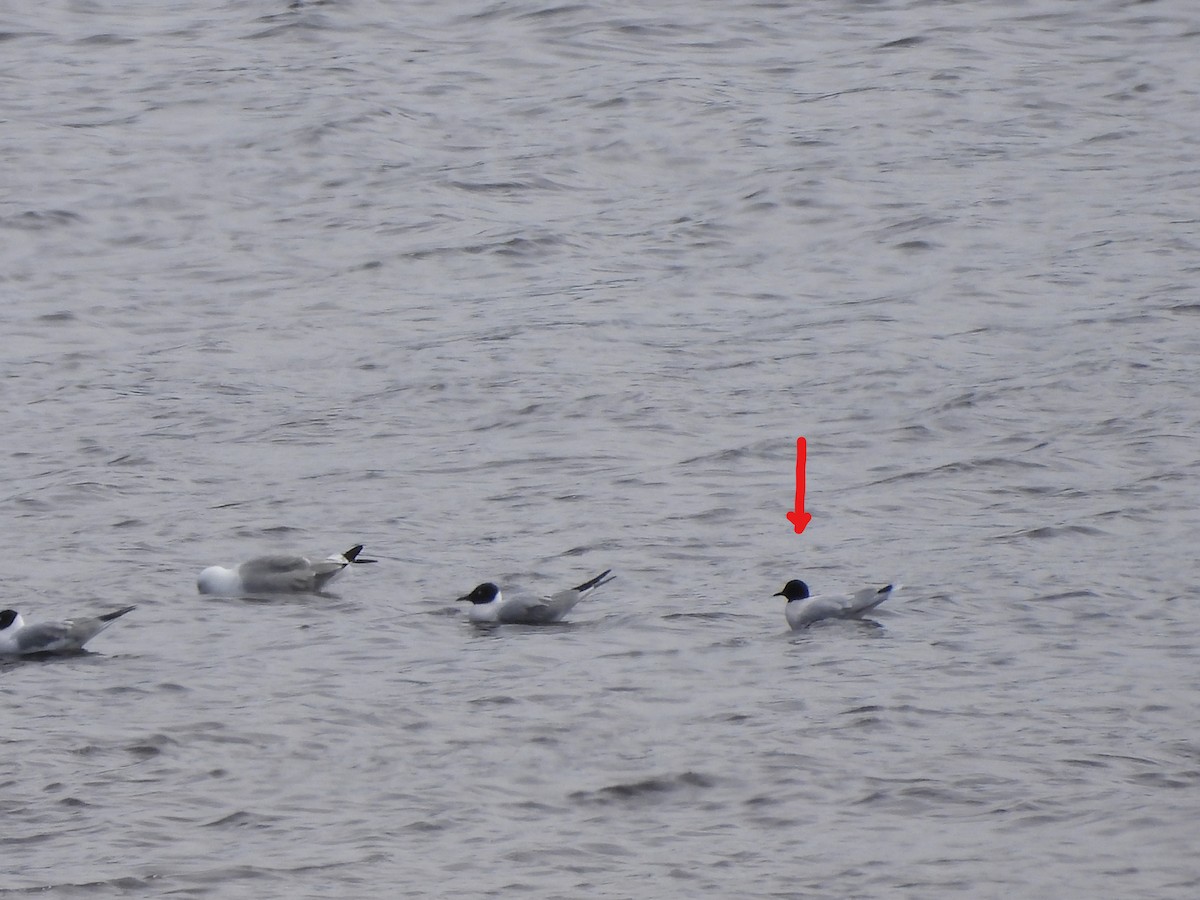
{"x":489,"y":606}
{"x":803,"y":609}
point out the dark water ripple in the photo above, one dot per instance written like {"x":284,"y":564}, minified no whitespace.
{"x":522,"y":292}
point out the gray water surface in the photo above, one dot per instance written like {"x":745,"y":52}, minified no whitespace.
{"x":521,"y":292}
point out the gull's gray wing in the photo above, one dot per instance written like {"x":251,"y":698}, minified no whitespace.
{"x":279,"y":573}
{"x":814,"y":609}
{"x":46,"y":637}
{"x":562,"y":602}
{"x":526,"y":611}
{"x":277,"y":563}
{"x":284,"y":573}
{"x":326,"y":570}
{"x":862,"y":602}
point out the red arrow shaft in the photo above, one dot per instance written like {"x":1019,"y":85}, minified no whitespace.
{"x":798,"y":517}
{"x":801,"y":464}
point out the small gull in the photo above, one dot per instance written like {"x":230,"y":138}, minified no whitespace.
{"x":278,"y":574}
{"x":490,"y":606}
{"x":69,"y":636}
{"x":802,"y":609}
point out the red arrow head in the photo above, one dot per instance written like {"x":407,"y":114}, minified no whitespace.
{"x":800,"y":520}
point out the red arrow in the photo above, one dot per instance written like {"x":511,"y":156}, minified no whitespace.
{"x":798,"y":516}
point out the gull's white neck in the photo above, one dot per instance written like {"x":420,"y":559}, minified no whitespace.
{"x":486,"y":612}
{"x":8,"y":637}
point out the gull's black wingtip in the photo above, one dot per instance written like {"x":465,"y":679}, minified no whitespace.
{"x":602,"y":578}
{"x":108,"y":617}
{"x":352,"y":555}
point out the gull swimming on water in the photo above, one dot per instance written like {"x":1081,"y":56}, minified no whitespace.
{"x":802,"y":609}
{"x":489,"y":605}
{"x":278,"y":574}
{"x":69,"y":636}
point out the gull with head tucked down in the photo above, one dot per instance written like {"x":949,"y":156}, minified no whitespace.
{"x":278,"y":574}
